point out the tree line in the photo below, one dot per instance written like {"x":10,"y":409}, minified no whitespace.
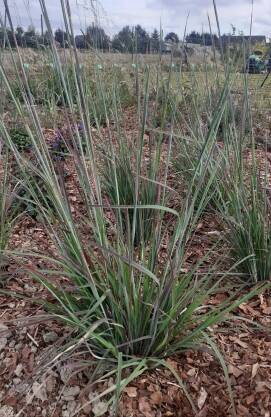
{"x":128,"y":39}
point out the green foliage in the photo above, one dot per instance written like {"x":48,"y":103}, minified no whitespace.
{"x":96,"y":37}
{"x":129,"y":311}
{"x":27,"y":204}
{"x":202,"y":38}
{"x":121,"y":184}
{"x":236,"y":115}
{"x":172,"y":37}
{"x":19,"y":90}
{"x":108,"y":92}
{"x":9,"y":208}
{"x":171,"y":103}
{"x":29,"y":183}
{"x":155,"y":41}
{"x":142,"y":40}
{"x":45,"y":87}
{"x":221,"y":164}
{"x":20,"y":138}
{"x":61,"y":37}
{"x":248,"y":232}
{"x":124,"y":40}
{"x":29,"y":38}
{"x":208,"y":175}
{"x":135,"y":40}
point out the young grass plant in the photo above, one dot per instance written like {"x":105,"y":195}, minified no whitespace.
{"x":134,"y":187}
{"x":245,"y":207}
{"x":9,"y":207}
{"x":248,"y":227}
{"x":222,"y":164}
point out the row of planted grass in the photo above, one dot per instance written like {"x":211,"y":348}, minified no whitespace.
{"x":127,"y":307}
{"x":238,"y":183}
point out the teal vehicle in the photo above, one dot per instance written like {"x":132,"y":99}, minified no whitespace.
{"x":255,"y":65}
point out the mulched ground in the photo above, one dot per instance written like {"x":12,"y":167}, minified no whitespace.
{"x":28,"y":389}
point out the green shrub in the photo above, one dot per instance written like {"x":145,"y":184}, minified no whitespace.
{"x":20,"y":138}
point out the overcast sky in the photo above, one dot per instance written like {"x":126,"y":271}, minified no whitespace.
{"x":114,"y":14}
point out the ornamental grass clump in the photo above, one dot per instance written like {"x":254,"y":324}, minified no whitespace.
{"x":134,"y":194}
{"x":248,"y":229}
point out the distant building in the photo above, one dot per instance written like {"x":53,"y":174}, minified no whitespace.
{"x":239,"y":39}
{"x":168,"y":47}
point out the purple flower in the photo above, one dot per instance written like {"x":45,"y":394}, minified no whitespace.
{"x":80,"y":126}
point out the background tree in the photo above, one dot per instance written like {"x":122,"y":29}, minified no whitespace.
{"x":142,"y":39}
{"x":97,"y":38}
{"x":81,"y":41}
{"x":194,"y":37}
{"x":61,"y":37}
{"x":19,"y":34}
{"x":45,"y":39}
{"x":207,"y":39}
{"x":124,"y":40}
{"x":30,"y":37}
{"x":155,"y":41}
{"x":201,"y":39}
{"x":6,"y":37}
{"x":172,"y":37}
